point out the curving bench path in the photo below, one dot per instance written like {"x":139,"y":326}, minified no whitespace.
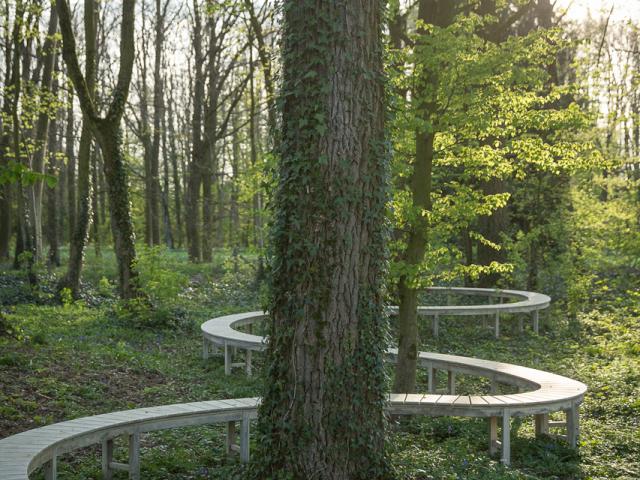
{"x":541,"y":393}
{"x":518,"y":301}
{"x":23,"y":453}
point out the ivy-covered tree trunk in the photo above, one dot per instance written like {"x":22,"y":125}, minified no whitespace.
{"x":110,"y":140}
{"x":80,"y":232}
{"x":322,"y":411}
{"x":440,"y":13}
{"x":108,"y":134}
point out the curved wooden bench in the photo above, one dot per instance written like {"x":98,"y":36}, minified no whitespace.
{"x":23,"y":453}
{"x":541,"y":392}
{"x":525,"y":302}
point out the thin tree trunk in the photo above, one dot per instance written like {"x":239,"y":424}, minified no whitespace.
{"x":35,"y":191}
{"x":166,"y":213}
{"x":95,"y":215}
{"x":6,"y":190}
{"x":53,"y":169}
{"x":440,"y":13}
{"x":109,"y":136}
{"x":197,"y":154}
{"x":71,"y":168}
{"x":177,"y":190}
{"x":80,"y":234}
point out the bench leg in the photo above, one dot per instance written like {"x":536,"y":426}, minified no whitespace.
{"x":244,"y":438}
{"x":536,"y":321}
{"x":506,"y":439}
{"x":493,"y":435}
{"x":248,"y":363}
{"x":573,"y":426}
{"x":107,"y":458}
{"x":520,"y":324}
{"x":231,"y":436}
{"x":227,"y":359}
{"x":134,"y":456}
{"x":51,"y":469}
{"x":436,"y":325}
{"x":542,"y":424}
{"x":432,"y":380}
{"x":451,"y":382}
{"x":497,"y":325}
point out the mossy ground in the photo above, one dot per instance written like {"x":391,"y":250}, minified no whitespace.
{"x":82,"y":358}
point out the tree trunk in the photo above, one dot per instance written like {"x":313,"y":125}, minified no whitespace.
{"x":35,"y":191}
{"x":95,"y":214}
{"x":166,"y":213}
{"x":6,"y":190}
{"x":110,"y":139}
{"x":108,"y":133}
{"x":80,"y":234}
{"x":197,"y":154}
{"x":321,"y":415}
{"x":71,"y":169}
{"x":53,"y":168}
{"x":177,"y":190}
{"x":492,"y":227}
{"x":420,"y":184}
{"x":441,"y":14}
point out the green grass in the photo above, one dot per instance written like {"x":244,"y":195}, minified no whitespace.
{"x":92,"y":356}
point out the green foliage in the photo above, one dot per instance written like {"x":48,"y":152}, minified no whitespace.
{"x":55,"y":365}
{"x":162,"y":286}
{"x":495,"y":117}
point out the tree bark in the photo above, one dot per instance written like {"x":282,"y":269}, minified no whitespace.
{"x":322,"y":411}
{"x":108,"y":134}
{"x":177,"y":188}
{"x":80,"y":234}
{"x":53,"y":168}
{"x":72,"y":206}
{"x":197,"y":154}
{"x":35,"y":191}
{"x":441,"y":14}
{"x":6,"y":190}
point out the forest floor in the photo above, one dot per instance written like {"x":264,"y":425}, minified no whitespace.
{"x":59,"y":362}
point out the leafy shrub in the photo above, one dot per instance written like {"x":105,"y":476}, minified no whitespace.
{"x":162,"y":285}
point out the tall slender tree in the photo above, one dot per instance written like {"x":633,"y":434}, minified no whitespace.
{"x":108,"y":133}
{"x":79,"y":235}
{"x":439,"y":13}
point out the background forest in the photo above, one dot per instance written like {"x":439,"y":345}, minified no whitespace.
{"x":135,"y":189}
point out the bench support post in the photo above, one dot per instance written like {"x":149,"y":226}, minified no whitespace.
{"x":520,"y":324}
{"x":134,"y":456}
{"x":436,"y":325}
{"x":107,"y":459}
{"x":494,"y":386}
{"x":227,"y":359}
{"x":542,"y":424}
{"x":432,"y":379}
{"x":493,"y":435}
{"x":231,"y":436}
{"x":451,"y":382}
{"x":244,"y":438}
{"x":573,"y":426}
{"x":248,"y":363}
{"x":51,"y":469}
{"x":497,"y":325}
{"x":536,"y":320}
{"x":506,"y":438}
